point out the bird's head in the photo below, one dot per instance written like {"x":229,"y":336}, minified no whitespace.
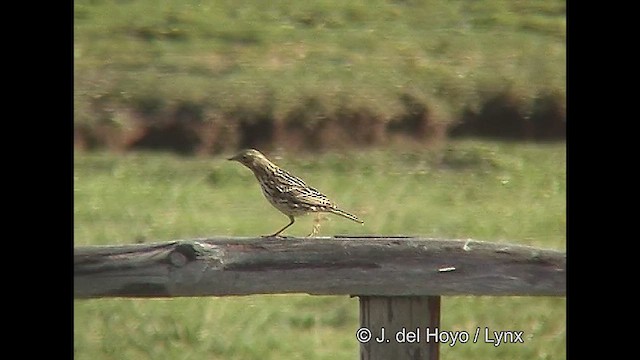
{"x":251,"y":158}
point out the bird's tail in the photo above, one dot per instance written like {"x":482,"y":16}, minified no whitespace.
{"x":347,"y":215}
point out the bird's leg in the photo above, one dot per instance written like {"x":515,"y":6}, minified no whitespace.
{"x":316,"y":226}
{"x":281,"y":230}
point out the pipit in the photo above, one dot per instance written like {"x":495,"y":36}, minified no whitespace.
{"x":287,"y":193}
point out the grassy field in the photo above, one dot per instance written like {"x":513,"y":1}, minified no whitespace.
{"x":472,"y":189}
{"x":272,"y":58}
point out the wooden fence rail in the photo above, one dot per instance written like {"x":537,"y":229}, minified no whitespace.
{"x":399,"y":279}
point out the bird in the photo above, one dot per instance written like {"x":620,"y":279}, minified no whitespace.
{"x":286,"y":192}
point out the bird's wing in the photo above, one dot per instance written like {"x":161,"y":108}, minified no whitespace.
{"x":298,"y":191}
{"x":285,"y":181}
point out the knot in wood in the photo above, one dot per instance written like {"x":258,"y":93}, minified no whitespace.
{"x":182,"y":254}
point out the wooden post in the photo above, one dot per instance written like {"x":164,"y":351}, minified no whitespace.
{"x":405,"y":320}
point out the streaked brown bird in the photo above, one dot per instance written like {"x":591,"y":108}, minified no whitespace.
{"x":288,"y":193}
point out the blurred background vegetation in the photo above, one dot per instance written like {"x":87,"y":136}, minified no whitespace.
{"x":426,"y":118}
{"x":204,"y":77}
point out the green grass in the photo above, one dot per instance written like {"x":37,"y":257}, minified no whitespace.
{"x":271,"y":56}
{"x":503,"y":192}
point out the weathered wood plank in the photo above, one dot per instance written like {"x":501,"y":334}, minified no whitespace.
{"x":380,"y":266}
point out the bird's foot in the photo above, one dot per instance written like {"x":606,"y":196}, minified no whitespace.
{"x":316,"y":224}
{"x":315,"y":230}
{"x":273,"y":236}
